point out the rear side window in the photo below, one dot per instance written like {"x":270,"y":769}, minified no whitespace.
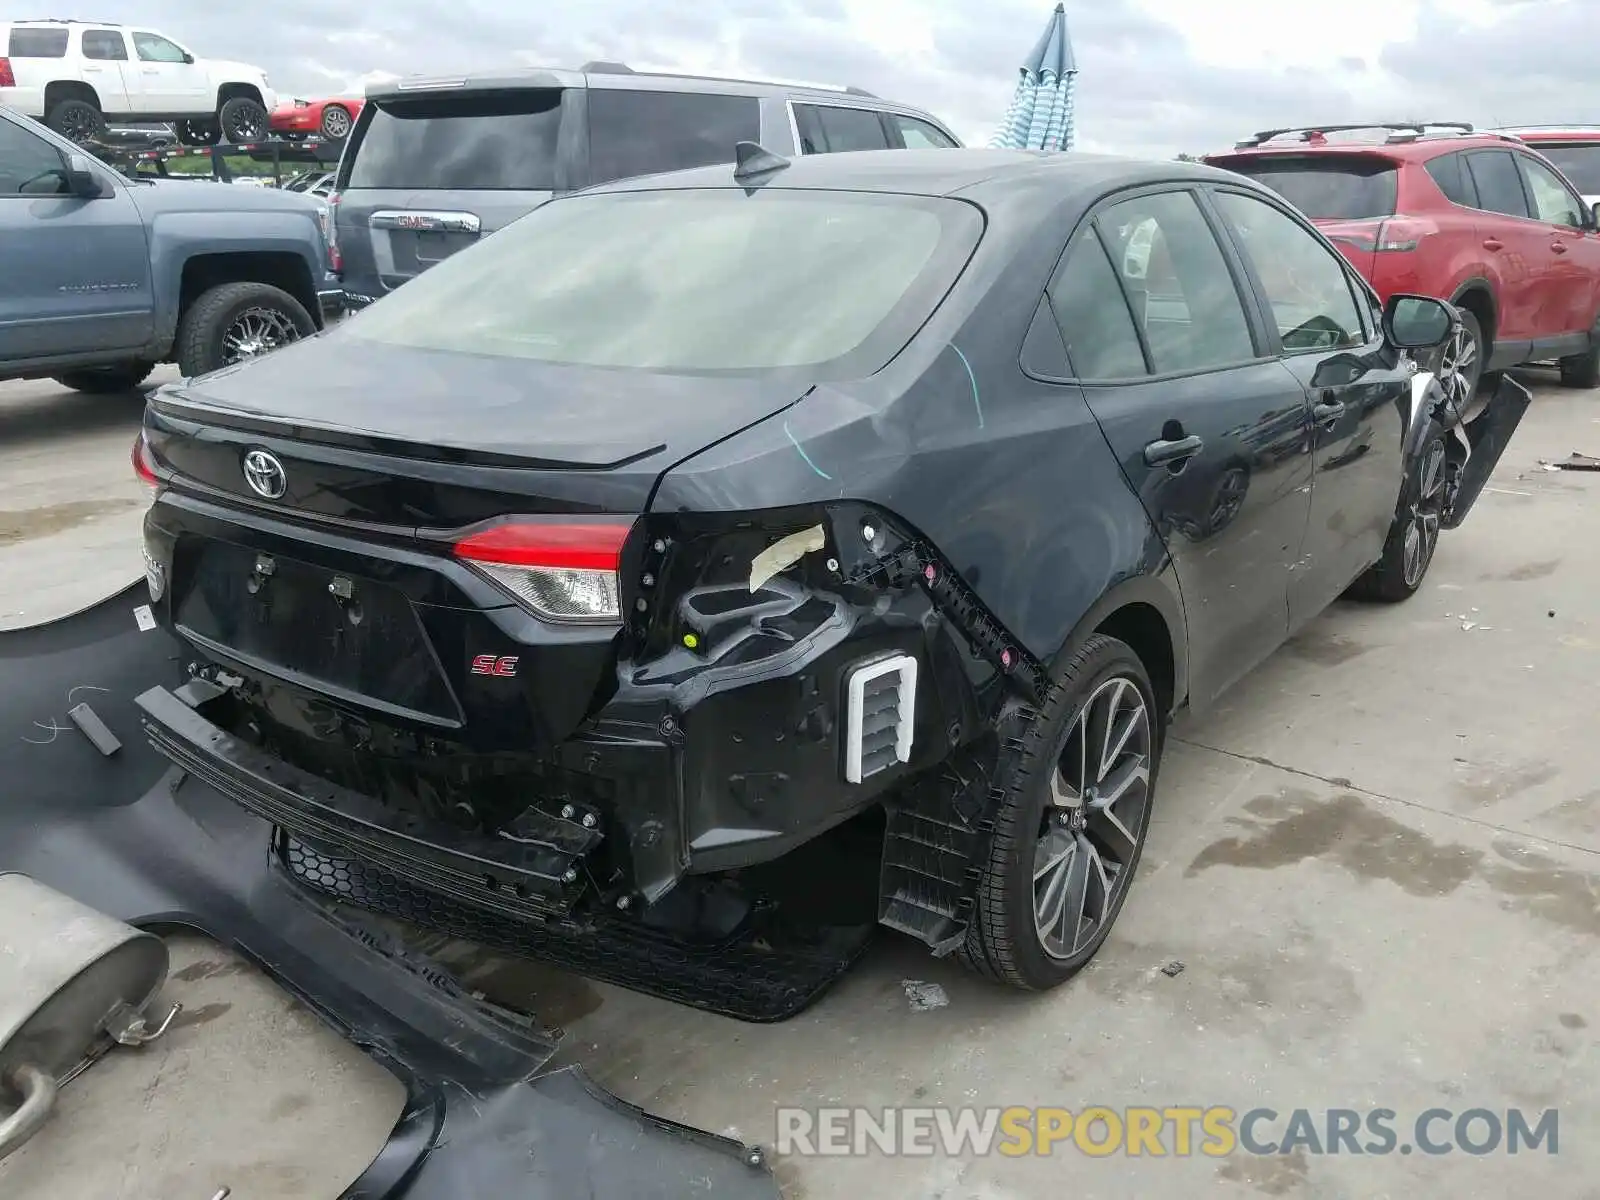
{"x":491,"y":141}
{"x":1182,"y":293}
{"x":846,"y":129}
{"x":106,"y":45}
{"x":1499,"y":183}
{"x":1093,"y":314}
{"x":38,"y":43}
{"x":1580,"y":164}
{"x":641,"y":133}
{"x":1449,"y":171}
{"x":1326,"y":187}
{"x":695,"y":281}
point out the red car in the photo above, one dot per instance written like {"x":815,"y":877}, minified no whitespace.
{"x":332,"y":118}
{"x":1475,"y":217}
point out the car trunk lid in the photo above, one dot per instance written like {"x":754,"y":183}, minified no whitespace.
{"x":435,"y":439}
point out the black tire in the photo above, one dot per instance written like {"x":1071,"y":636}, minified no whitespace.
{"x":1437,"y":361}
{"x":199,"y":133}
{"x":1394,"y":577}
{"x":338,"y":128}
{"x":78,"y":120}
{"x":1004,"y":940}
{"x":1581,"y":370}
{"x":243,"y":120}
{"x":205,"y":325}
{"x":105,"y":381}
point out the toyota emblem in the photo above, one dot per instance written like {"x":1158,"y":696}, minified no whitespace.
{"x":265,"y":474}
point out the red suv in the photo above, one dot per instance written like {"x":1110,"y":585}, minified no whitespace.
{"x":1477,"y":218}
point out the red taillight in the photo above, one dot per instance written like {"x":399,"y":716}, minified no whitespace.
{"x":7,"y":78}
{"x":144,"y":463}
{"x":331,"y":235}
{"x":1390,"y":234}
{"x":562,"y":570}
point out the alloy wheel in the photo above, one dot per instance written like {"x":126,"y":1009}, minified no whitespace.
{"x":1459,"y":367}
{"x":335,"y":122}
{"x":1422,"y":528}
{"x":80,"y":125}
{"x":257,"y":331}
{"x":1090,"y":833}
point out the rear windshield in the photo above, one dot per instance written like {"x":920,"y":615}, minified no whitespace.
{"x":488,"y":141}
{"x":38,"y":43}
{"x":1580,"y":164}
{"x":1330,"y":187}
{"x":709,"y":281}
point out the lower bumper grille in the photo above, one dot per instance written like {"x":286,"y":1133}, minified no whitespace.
{"x":527,"y":879}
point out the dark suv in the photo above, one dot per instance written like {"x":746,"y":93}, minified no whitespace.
{"x":433,"y":164}
{"x":1477,"y":218}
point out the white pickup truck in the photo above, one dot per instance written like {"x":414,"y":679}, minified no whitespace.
{"x":77,"y":75}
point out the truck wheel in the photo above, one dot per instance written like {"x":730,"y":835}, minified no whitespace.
{"x":77,"y":120}
{"x":242,"y":120}
{"x":237,"y":321}
{"x":1414,"y":534}
{"x":1581,"y":370}
{"x":1071,"y":824}
{"x":103,"y":381}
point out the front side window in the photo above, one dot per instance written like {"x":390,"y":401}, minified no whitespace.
{"x":488,"y":141}
{"x":105,"y":45}
{"x":1305,"y":282}
{"x":1499,"y":184}
{"x":641,"y":133}
{"x":919,"y":135}
{"x":1552,"y":201}
{"x":702,"y":281}
{"x":152,"y":48}
{"x":1177,"y":280}
{"x":1092,"y":312}
{"x":29,"y":166}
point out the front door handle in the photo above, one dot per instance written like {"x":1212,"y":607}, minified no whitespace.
{"x":1559,"y":247}
{"x":1165,"y":453}
{"x":1493,"y":244}
{"x":1322,"y":414}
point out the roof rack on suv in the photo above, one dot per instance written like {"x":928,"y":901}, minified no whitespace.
{"x":1398,"y":131}
{"x":1574,"y":126}
{"x":616,"y":68}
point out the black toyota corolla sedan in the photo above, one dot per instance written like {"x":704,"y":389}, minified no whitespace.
{"x":709,"y":568}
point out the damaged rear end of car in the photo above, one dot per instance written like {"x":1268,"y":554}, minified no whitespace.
{"x":482,"y":670}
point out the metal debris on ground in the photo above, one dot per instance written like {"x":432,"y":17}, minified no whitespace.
{"x":924,"y":997}
{"x":1577,"y":462}
{"x":1173,"y":969}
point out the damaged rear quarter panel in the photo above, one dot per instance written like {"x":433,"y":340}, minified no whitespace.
{"x":1009,"y":478}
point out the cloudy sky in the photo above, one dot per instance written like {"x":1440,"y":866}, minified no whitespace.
{"x":1156,"y":76}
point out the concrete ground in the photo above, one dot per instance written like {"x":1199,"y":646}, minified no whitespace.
{"x":1377,"y":864}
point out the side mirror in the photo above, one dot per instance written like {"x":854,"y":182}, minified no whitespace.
{"x":1592,"y":211}
{"x":81,"y":178}
{"x":188,"y":58}
{"x":1418,"y":322}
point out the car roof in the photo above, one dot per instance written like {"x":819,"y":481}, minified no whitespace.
{"x":1554,"y":133}
{"x":987,"y":176}
{"x":622,"y":77}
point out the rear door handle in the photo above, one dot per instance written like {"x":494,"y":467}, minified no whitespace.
{"x":1559,"y":247}
{"x":1331,"y":411}
{"x":1164,"y":453}
{"x":1493,"y":244}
